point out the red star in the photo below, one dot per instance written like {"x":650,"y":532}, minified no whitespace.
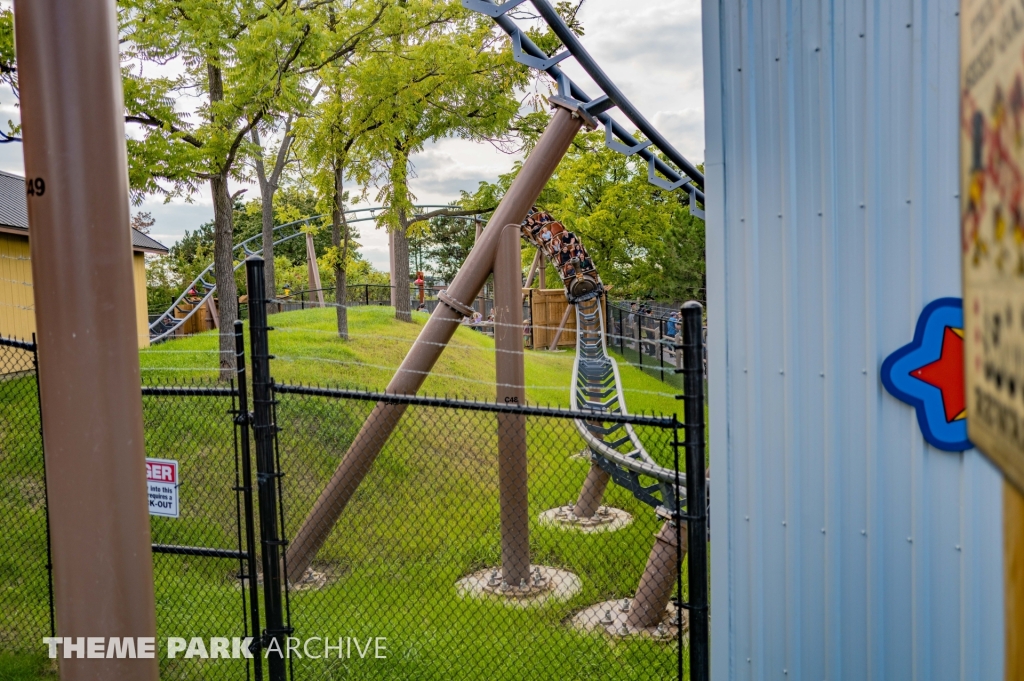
{"x":947,"y":374}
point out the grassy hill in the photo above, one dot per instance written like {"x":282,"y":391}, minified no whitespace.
{"x":425,"y":516}
{"x":309,"y":351}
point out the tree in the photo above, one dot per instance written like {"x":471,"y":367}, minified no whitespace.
{"x":447,"y":243}
{"x":449,"y":76}
{"x":8,"y":69}
{"x":143,"y":222}
{"x":268,"y":187}
{"x":245,"y":60}
{"x":643,"y":239}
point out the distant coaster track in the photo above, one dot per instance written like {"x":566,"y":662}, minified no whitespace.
{"x":167,"y":323}
{"x":684,"y":175}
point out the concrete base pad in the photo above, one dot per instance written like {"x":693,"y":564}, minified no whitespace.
{"x":582,"y":455}
{"x":546,"y":584}
{"x":610,"y":617}
{"x":607,"y":519}
{"x":312,"y":580}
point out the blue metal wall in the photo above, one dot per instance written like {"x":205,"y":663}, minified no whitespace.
{"x":843,"y":547}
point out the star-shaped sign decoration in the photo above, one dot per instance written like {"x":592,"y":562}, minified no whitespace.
{"x":928,"y":374}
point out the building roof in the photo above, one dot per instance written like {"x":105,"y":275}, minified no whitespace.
{"x":14,"y":214}
{"x":144,"y":242}
{"x":13,"y":206}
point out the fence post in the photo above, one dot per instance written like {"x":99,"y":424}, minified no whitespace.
{"x":242,"y":419}
{"x":46,"y":492}
{"x":696,"y":488}
{"x":640,"y":338}
{"x":366,"y":294}
{"x":266,"y":474}
{"x":660,"y":348}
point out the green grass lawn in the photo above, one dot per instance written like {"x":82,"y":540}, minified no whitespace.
{"x":309,"y":351}
{"x":426,"y":515}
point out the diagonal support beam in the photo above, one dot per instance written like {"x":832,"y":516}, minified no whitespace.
{"x":441,"y":326}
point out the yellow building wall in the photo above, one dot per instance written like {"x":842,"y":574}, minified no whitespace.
{"x":17,"y":307}
{"x":141,"y":307}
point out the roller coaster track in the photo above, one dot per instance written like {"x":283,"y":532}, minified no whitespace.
{"x":596,"y":383}
{"x":167,"y":324}
{"x":683,"y":176}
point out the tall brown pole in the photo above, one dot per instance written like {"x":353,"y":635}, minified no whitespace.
{"x":510,"y":376}
{"x":313,"y":271}
{"x":72,"y":112}
{"x":483,"y":298}
{"x":435,"y":334}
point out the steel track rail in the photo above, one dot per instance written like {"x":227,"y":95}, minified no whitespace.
{"x":600,"y":369}
{"x":166,"y":324}
{"x":685,"y":176}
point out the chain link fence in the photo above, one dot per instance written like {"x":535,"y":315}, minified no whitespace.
{"x":26,"y":585}
{"x":201,"y":556}
{"x":415,"y":561}
{"x":482,"y":541}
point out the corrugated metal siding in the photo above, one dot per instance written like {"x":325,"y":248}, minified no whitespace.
{"x":843,"y":547}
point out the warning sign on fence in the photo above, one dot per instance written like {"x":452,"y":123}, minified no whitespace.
{"x":162,"y":480}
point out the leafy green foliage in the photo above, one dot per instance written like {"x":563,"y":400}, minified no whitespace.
{"x":643,"y":239}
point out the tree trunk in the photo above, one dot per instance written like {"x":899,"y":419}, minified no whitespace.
{"x":400,"y":270}
{"x":223,"y":270}
{"x":267,"y":204}
{"x":223,"y":246}
{"x":339,"y":226}
{"x":267,"y":201}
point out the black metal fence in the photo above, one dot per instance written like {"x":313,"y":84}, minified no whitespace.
{"x":26,"y":582}
{"x":200,"y":557}
{"x":649,"y":340}
{"x":410,"y":580}
{"x":415,"y":560}
{"x":357,"y":295}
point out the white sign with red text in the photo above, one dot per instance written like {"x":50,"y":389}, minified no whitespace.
{"x":162,"y":480}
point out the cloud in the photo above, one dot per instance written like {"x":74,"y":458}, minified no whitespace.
{"x":447,"y":167}
{"x":684,"y":127}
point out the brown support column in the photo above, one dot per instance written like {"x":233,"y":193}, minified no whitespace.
{"x":314,"y":271}
{"x":510,"y":375}
{"x":543,"y":276}
{"x":592,"y":493}
{"x":533,"y":270}
{"x":77,"y":169}
{"x":483,"y":298}
{"x":211,"y":305}
{"x":435,"y":334}
{"x":655,"y":588}
{"x":561,"y":328}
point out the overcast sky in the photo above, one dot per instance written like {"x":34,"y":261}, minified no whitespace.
{"x":650,"y":48}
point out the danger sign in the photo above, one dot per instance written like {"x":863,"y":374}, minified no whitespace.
{"x":162,"y":480}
